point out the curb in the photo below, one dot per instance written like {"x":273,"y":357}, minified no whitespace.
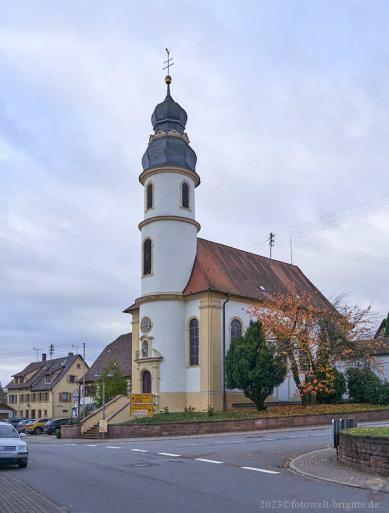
{"x":372,"y":482}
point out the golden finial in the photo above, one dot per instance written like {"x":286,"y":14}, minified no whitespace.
{"x":169,"y":62}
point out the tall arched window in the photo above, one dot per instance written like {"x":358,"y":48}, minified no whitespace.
{"x":149,"y":195}
{"x":194,"y":342}
{"x":236,"y":329}
{"x":146,"y":382}
{"x":185,"y":195}
{"x":147,"y":257}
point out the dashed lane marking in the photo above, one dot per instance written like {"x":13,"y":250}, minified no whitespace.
{"x":169,"y":454}
{"x":209,"y":461}
{"x":91,"y":445}
{"x":261,"y":470}
{"x":112,"y":447}
{"x":139,"y":450}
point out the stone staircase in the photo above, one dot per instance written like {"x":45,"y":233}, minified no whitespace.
{"x":92,"y":433}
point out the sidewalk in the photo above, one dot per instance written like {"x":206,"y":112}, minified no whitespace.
{"x":18,"y":497}
{"x":322,"y":465}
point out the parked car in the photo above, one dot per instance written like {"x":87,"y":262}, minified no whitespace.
{"x":36,"y":427}
{"x":15,"y":421}
{"x":21,"y":426}
{"x":13,"y":450}
{"x":54,"y":425}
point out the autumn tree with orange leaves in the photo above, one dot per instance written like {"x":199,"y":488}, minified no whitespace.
{"x":316,"y":337}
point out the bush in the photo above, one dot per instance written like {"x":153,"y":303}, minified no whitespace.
{"x":384,"y":393}
{"x":364,"y":385}
{"x":337,"y":392}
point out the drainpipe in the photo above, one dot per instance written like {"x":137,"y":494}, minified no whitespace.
{"x":224,"y":355}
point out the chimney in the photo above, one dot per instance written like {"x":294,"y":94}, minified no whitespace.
{"x":70,"y":354}
{"x":43,"y":357}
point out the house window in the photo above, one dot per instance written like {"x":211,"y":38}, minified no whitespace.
{"x":64,"y":397}
{"x":185,"y":195}
{"x":149,"y":195}
{"x":236,"y":329}
{"x":194,"y":342}
{"x":78,"y":365}
{"x":72,"y":379}
{"x":147,"y":257}
{"x":146,"y":382}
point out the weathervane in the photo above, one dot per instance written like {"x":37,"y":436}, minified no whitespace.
{"x":168,"y":63}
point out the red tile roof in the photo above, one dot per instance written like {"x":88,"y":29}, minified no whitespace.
{"x":117,"y":351}
{"x":232,"y":271}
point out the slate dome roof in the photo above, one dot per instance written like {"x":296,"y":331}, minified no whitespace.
{"x":169,"y":146}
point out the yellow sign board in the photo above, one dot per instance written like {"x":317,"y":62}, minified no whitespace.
{"x":142,"y":410}
{"x":141,"y":399}
{"x":103,"y":426}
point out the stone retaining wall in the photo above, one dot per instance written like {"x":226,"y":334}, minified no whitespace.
{"x":235,"y":426}
{"x":365,"y":452}
{"x":226,"y":426}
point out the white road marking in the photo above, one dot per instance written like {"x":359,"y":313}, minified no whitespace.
{"x":112,"y":447}
{"x":169,"y":454}
{"x":209,"y":461}
{"x":91,"y":445}
{"x":71,"y":444}
{"x":261,"y":470}
{"x":139,"y":450}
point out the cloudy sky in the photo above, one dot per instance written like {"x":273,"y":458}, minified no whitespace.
{"x":288,"y":105}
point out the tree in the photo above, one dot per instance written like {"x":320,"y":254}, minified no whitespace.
{"x":3,"y":395}
{"x":364,"y":386}
{"x":253,"y":365}
{"x":115,"y":383}
{"x":335,"y":391}
{"x":386,"y":327}
{"x":316,"y":337}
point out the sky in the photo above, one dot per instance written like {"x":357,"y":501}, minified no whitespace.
{"x":288,"y":108}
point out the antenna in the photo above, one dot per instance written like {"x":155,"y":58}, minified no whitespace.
{"x":169,"y":62}
{"x":37,"y":349}
{"x":291,"y":250}
{"x":51,"y":351}
{"x":76,"y":346}
{"x":271,"y":242}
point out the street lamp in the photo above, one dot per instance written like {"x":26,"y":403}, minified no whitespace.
{"x":104,"y":377}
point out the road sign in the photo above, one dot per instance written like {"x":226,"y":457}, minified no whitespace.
{"x":103,"y":426}
{"x":142,"y":410}
{"x":141,"y":399}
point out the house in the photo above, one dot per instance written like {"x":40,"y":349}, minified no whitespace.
{"x":47,"y":388}
{"x":195,"y":293}
{"x":117,"y":352}
{"x":382,"y":350}
{"x":6,"y":412}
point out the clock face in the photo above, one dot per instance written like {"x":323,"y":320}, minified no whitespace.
{"x":145,"y":325}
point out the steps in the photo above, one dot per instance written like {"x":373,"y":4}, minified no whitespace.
{"x":91,"y":433}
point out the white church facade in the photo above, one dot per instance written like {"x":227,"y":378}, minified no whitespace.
{"x":195,"y":293}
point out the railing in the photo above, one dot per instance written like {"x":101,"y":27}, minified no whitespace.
{"x":111,"y":408}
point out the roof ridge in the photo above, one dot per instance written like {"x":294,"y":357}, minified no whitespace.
{"x":247,"y":252}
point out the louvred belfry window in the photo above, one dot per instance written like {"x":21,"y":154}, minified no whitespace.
{"x":147,"y":257}
{"x":149,"y":196}
{"x":194,"y":342}
{"x":185,"y":195}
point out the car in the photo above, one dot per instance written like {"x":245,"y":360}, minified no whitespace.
{"x":15,"y":421}
{"x":35,"y":427}
{"x":21,"y":426}
{"x":13,"y":449}
{"x":53,"y":426}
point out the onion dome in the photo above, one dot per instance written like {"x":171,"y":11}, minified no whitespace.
{"x":169,"y":146}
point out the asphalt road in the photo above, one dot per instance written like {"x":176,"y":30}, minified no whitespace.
{"x":230,"y":474}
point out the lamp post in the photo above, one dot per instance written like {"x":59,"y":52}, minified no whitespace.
{"x":104,"y":379}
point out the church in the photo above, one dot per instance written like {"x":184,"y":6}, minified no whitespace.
{"x":195,"y":293}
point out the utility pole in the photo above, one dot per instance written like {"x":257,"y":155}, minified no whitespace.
{"x":291,"y":250}
{"x":271,"y":242}
{"x":83,"y":382}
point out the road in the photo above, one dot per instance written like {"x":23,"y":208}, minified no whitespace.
{"x":221,"y":473}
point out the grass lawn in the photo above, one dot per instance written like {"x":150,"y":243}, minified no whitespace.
{"x":249,"y":413}
{"x":372,"y":431}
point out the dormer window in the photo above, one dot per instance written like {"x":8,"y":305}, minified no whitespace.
{"x":47,"y":380}
{"x":185,"y":203}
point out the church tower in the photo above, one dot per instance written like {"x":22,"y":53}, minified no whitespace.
{"x":168,"y":250}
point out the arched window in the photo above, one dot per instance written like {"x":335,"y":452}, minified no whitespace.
{"x":185,"y":195}
{"x":194,"y":342}
{"x":236,"y":329}
{"x":146,"y":382}
{"x":149,"y":195}
{"x":147,"y":257}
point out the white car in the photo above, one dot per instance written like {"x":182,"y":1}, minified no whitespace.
{"x":13,"y":450}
